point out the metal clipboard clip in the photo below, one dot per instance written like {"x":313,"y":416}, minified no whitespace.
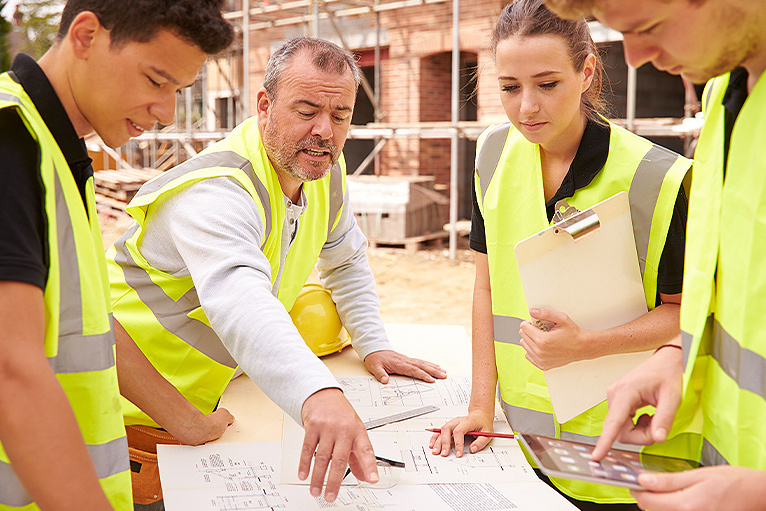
{"x":576,"y":223}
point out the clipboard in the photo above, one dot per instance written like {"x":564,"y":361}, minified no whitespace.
{"x":586,"y":266}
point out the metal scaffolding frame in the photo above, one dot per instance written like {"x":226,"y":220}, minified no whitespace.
{"x":161,"y":148}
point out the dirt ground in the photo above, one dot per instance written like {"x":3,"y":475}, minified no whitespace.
{"x":422,"y":287}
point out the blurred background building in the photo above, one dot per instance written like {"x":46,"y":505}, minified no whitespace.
{"x":429,"y":90}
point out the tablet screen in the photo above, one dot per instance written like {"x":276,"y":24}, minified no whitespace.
{"x":572,"y":460}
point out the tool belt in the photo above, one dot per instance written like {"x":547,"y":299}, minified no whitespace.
{"x":144,"y":469}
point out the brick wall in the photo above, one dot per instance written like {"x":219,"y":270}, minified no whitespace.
{"x":417,"y":80}
{"x":415,"y":77}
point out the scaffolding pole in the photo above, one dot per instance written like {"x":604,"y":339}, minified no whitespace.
{"x":454,"y":146}
{"x":245,"y":59}
{"x":377,"y":114}
{"x":630,"y":113}
{"x":315,"y":20}
{"x":364,"y":82}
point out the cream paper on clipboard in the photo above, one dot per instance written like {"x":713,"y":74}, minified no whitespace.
{"x":596,"y":281}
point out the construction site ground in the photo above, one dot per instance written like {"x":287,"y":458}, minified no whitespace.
{"x":420,"y":287}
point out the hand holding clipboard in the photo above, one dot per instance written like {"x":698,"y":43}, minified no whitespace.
{"x":586,"y":266}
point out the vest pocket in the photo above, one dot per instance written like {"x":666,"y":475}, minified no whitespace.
{"x":536,"y":389}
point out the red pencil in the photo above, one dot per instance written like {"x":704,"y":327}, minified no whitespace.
{"x":477,"y":433}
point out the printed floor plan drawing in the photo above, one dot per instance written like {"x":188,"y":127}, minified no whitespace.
{"x":421,"y":460}
{"x":365,"y":392}
{"x":242,"y":477}
{"x":229,"y":480}
{"x":252,"y":484}
{"x":263,"y":476}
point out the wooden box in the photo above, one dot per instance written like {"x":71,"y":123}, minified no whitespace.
{"x":393,"y":208}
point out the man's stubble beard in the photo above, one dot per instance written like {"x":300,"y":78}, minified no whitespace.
{"x":285,"y":159}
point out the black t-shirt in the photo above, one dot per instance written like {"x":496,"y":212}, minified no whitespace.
{"x":23,"y":221}
{"x":588,"y":162}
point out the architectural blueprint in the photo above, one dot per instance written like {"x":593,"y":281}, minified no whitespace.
{"x":242,"y":477}
{"x":372,"y":399}
{"x":224,"y":477}
{"x":407,"y":441}
{"x":259,"y":476}
{"x":365,"y":392}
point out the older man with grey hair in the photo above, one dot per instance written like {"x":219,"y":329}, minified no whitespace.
{"x":222,"y":245}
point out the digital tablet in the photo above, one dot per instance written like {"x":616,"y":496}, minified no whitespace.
{"x":572,"y":460}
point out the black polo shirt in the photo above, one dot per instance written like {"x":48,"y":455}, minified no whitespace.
{"x":588,"y":162}
{"x":23,"y":222}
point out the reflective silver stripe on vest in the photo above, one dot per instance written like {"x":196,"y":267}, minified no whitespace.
{"x":643,"y":195}
{"x":575,"y":437}
{"x":705,"y":347}
{"x":707,"y":97}
{"x":336,"y":195}
{"x":644,"y":188}
{"x":12,"y":493}
{"x":746,"y":367}
{"x":76,"y":352}
{"x":9,"y":97}
{"x":686,"y":345}
{"x":507,"y":329}
{"x":227,"y":159}
{"x":524,"y":420}
{"x":70,"y":312}
{"x":489,"y":155}
{"x":710,"y":455}
{"x":171,"y":314}
{"x":108,"y":459}
{"x":84,"y":353}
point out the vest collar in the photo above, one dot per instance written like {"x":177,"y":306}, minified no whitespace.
{"x":736,"y":92}
{"x":43,"y":95}
{"x":590,"y":159}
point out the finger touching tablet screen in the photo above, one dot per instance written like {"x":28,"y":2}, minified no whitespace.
{"x":572,"y":460}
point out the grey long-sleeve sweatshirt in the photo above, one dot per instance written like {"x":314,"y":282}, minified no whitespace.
{"x":212,"y":231}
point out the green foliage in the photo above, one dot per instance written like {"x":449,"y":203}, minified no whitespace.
{"x":40,"y":23}
{"x":5,"y":51}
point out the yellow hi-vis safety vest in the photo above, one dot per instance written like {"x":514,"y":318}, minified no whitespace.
{"x":509,"y":189}
{"x":79,"y":339}
{"x":162,"y":312}
{"x":724,"y":304}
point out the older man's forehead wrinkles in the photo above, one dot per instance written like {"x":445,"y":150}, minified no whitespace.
{"x":307,"y":103}
{"x":311,"y":104}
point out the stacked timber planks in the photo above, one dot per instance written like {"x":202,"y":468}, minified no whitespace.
{"x":115,"y":188}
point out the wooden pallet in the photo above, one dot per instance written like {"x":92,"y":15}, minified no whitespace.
{"x":115,"y":188}
{"x":121,"y":185}
{"x":432,"y":239}
{"x":110,"y":208}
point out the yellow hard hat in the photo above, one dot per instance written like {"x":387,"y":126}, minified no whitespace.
{"x":316,"y":318}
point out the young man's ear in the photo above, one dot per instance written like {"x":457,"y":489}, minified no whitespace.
{"x":83,"y":32}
